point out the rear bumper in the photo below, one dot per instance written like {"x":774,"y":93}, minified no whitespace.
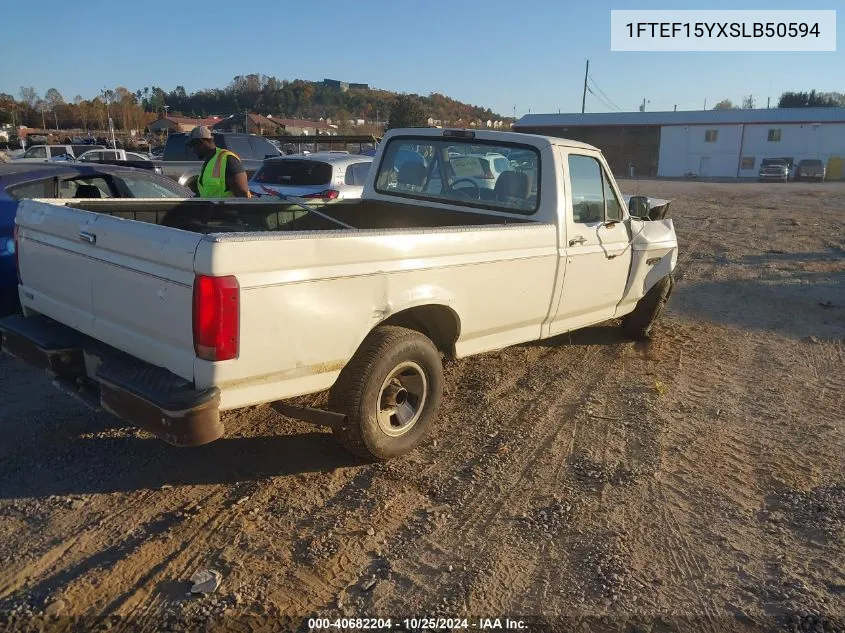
{"x":147,"y":396}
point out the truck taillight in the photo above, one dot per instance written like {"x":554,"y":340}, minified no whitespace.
{"x":17,"y":259}
{"x":216,"y":317}
{"x":328,"y":194}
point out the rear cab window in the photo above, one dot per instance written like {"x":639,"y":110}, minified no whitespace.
{"x":86,"y":187}
{"x":294,"y":172}
{"x":459,"y":172}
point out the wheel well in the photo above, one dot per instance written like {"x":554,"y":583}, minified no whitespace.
{"x":437,"y":322}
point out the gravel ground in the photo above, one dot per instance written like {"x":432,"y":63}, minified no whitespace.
{"x":695,"y":482}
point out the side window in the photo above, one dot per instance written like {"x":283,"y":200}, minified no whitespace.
{"x":240,"y":145}
{"x":587,"y":189}
{"x":613,"y":209}
{"x":58,"y":151}
{"x":356,"y":174}
{"x":37,"y":189}
{"x":36,"y":152}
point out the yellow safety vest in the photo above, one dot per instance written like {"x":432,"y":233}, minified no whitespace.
{"x":212,"y":180}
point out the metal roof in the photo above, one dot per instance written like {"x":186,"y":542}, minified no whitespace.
{"x":685,"y":117}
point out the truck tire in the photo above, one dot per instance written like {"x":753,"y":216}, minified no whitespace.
{"x":638,"y":323}
{"x":390,"y":392}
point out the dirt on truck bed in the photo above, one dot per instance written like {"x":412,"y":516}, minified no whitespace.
{"x":694,"y":482}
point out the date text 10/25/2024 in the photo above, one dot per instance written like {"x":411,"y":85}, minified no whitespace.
{"x":415,"y":624}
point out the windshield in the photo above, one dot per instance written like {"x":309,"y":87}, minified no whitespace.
{"x":467,"y":173}
{"x":293,"y":172}
{"x":772,"y":162}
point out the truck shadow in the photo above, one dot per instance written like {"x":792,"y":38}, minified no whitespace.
{"x":797,"y":304}
{"x":65,"y":465}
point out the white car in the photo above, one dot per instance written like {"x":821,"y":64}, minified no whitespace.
{"x":482,"y":169}
{"x":318,"y":176}
{"x":47,"y":153}
{"x":99,"y":155}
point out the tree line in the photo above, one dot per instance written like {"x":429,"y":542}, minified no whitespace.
{"x":257,"y":93}
{"x":812,"y":99}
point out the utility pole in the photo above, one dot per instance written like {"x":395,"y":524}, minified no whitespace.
{"x":676,"y":108}
{"x":643,"y":108}
{"x":768,"y":102}
{"x":705,"y":103}
{"x":43,"y":124}
{"x":584,"y":94}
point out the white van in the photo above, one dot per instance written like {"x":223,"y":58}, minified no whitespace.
{"x":45,"y":153}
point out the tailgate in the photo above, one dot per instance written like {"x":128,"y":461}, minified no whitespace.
{"x":126,"y":283}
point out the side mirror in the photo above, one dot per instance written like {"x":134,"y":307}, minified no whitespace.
{"x":638,"y":206}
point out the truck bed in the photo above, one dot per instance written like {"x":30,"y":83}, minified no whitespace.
{"x":211,"y":216}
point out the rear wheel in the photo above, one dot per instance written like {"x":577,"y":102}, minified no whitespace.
{"x":638,"y":323}
{"x":390,"y":392}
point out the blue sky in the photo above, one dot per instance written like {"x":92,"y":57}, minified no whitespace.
{"x":527,"y":55}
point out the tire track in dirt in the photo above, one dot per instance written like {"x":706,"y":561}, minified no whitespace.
{"x":495,"y":499}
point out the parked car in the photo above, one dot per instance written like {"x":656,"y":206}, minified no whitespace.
{"x":65,"y":180}
{"x":810,"y":169}
{"x":481,"y":169}
{"x":102,"y":155}
{"x":45,"y":153}
{"x":321,"y":176}
{"x":222,"y":304}
{"x":773,"y":169}
{"x":181,"y":164}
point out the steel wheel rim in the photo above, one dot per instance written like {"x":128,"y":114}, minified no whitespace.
{"x":402,"y":399}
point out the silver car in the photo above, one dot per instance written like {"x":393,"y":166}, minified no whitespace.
{"x":317,"y":177}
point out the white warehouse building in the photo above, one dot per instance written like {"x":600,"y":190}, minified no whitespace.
{"x":707,"y":143}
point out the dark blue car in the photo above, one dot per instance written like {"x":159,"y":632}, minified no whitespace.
{"x":66,"y":180}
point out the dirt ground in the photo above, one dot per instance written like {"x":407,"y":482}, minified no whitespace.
{"x":695,"y":482}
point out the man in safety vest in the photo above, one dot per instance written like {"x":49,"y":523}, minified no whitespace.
{"x":222,"y":175}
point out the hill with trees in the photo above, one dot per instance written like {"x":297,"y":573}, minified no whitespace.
{"x":256,"y":93}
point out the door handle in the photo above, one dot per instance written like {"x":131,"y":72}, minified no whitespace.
{"x":85,"y":236}
{"x":576,"y":240}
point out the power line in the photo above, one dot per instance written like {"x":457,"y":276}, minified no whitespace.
{"x":600,"y":99}
{"x":611,"y":104}
{"x":605,"y":95}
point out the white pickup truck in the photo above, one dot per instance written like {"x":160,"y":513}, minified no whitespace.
{"x":167,"y":312}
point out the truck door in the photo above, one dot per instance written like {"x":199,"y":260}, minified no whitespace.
{"x":595,"y":243}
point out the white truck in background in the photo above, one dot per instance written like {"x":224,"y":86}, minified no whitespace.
{"x":167,"y":312}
